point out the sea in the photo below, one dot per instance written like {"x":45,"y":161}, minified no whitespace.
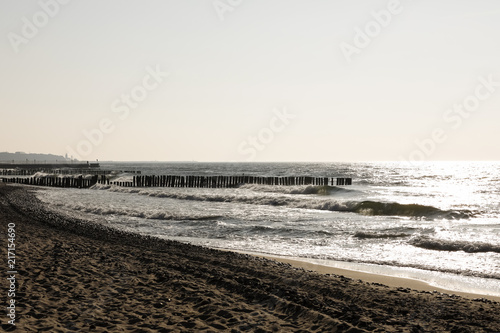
{"x":438,"y":222}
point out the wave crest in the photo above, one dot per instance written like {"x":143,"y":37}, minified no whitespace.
{"x":323,"y":203}
{"x":412,"y":210}
{"x":448,"y":245}
{"x":154,"y":215}
{"x":309,"y":189}
{"x":371,"y":235}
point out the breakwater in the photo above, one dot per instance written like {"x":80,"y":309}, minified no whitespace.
{"x":176,"y":181}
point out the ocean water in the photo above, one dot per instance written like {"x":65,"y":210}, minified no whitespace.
{"x":436,"y":221}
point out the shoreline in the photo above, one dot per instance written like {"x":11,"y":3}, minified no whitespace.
{"x":388,"y":280}
{"x":78,"y":276}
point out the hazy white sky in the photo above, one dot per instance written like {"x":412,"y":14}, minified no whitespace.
{"x":262,"y":80}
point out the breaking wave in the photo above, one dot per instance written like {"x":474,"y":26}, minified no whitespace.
{"x":154,"y":215}
{"x":449,"y":245}
{"x":370,"y":235}
{"x":370,"y":208}
{"x":309,"y":189}
{"x":412,"y":210}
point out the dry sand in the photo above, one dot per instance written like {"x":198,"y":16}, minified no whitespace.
{"x":77,"y":276}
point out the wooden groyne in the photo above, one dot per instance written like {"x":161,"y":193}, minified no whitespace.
{"x":177,"y":181}
{"x":224,"y":181}
{"x":73,"y":182}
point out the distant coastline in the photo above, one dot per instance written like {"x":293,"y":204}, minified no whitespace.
{"x":21,"y":157}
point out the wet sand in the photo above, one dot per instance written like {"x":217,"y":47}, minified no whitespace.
{"x":391,"y":281}
{"x":77,"y":276}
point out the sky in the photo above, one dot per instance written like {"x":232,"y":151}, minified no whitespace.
{"x":251,"y":80}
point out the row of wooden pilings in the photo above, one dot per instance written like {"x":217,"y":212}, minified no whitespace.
{"x":74,"y":182}
{"x":178,"y":181}
{"x":223,"y":181}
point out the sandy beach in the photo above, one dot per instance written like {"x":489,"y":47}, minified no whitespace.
{"x":75,"y":276}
